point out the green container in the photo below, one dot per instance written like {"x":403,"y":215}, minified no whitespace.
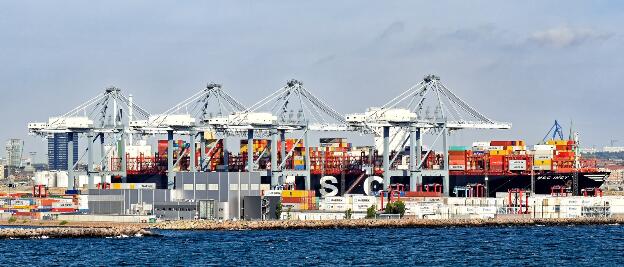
{"x":459,"y":148}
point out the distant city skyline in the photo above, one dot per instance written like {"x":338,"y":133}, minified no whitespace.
{"x":527,"y":63}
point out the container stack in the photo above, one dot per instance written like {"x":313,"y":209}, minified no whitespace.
{"x":335,"y":204}
{"x":360,"y":203}
{"x":563,"y":157}
{"x":501,"y":151}
{"x":299,"y":163}
{"x":457,"y":157}
{"x":298,"y":153}
{"x":259,"y":145}
{"x":542,"y":157}
{"x":332,"y":152}
{"x":298,"y":200}
{"x":178,"y":146}
{"x":356,"y":203}
{"x":292,"y":143}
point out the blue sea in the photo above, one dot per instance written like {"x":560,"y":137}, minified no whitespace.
{"x":457,"y":246}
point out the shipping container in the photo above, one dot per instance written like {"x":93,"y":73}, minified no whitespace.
{"x":517,"y":165}
{"x":457,"y":167}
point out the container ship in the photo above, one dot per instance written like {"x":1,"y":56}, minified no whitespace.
{"x":482,"y":169}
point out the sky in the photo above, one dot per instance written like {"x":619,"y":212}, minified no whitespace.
{"x":524,"y":62}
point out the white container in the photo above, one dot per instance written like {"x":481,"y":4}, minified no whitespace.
{"x":542,"y":157}
{"x":457,"y":167}
{"x":292,"y":206}
{"x":486,"y":210}
{"x":517,"y":165}
{"x":336,"y":207}
{"x":335,"y":200}
{"x":363,"y":200}
{"x":361,"y":207}
{"x":481,"y":144}
{"x":543,"y":147}
{"x":541,"y":167}
{"x":273,"y":193}
{"x":426,"y":210}
{"x":83,"y":202}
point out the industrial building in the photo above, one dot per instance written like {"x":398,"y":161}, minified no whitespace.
{"x":221,"y":193}
{"x":57,"y":151}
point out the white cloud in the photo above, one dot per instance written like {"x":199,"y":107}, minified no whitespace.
{"x":566,"y":36}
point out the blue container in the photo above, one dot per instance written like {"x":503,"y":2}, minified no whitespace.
{"x":72,"y":192}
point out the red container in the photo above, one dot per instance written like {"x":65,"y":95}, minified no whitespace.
{"x":496,"y":167}
{"x":48,"y":201}
{"x":293,"y":200}
{"x":501,"y":143}
{"x":63,"y":210}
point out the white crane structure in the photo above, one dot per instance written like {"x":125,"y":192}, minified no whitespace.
{"x":292,"y":108}
{"x":190,"y":117}
{"x":100,"y":118}
{"x":428,"y":106}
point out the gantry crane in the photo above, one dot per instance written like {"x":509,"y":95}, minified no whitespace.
{"x":190,"y":117}
{"x":292,"y":108}
{"x":428,"y":106}
{"x":100,"y":118}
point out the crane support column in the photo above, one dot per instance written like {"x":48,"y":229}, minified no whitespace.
{"x":193,"y":152}
{"x":419,"y":159}
{"x":102,"y":156}
{"x":446,"y":181}
{"x":170,"y":173}
{"x":124,"y":158}
{"x":386,"y":157}
{"x":306,"y":144}
{"x":275,"y":179}
{"x":70,"y":161}
{"x":90,"y":170}
{"x":226,"y":155}
{"x":202,"y":151}
{"x":414,"y":158}
{"x":250,"y":159}
{"x":283,"y":147}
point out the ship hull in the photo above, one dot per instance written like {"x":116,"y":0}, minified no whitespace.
{"x":354,"y":183}
{"x":495,"y":183}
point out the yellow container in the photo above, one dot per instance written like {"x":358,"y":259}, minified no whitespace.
{"x":115,"y":186}
{"x":542,"y":162}
{"x":550,"y":142}
{"x":499,"y":152}
{"x":295,"y":193}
